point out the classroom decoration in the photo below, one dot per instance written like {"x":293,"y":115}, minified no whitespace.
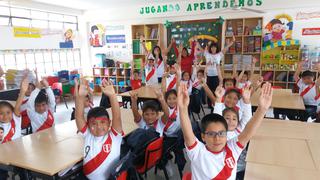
{"x":310,"y":31}
{"x":307,"y":15}
{"x":167,"y":24}
{"x":220,"y":21}
{"x":26,"y":32}
{"x":68,"y":37}
{"x":14,"y":77}
{"x":97,"y":38}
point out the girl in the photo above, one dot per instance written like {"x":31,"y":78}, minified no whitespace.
{"x":171,"y":79}
{"x":186,"y":79}
{"x":150,"y":70}
{"x":135,"y":79}
{"x":186,"y":58}
{"x":243,"y":79}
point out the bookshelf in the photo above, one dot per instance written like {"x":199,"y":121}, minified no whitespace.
{"x":153,"y":34}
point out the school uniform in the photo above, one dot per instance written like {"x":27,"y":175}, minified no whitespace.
{"x":309,"y":95}
{"x":219,"y":107}
{"x":197,"y":84}
{"x":207,"y":165}
{"x":242,"y":85}
{"x":12,"y":129}
{"x":173,"y":123}
{"x":189,"y":85}
{"x":171,"y":82}
{"x":158,"y":125}
{"x":100,"y":153}
{"x":45,"y":120}
{"x":160,"y":69}
{"x":151,"y":77}
{"x":135,"y":84}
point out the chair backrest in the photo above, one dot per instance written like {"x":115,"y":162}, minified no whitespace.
{"x":57,"y":86}
{"x":153,"y":153}
{"x":187,"y":176}
{"x":123,"y":176}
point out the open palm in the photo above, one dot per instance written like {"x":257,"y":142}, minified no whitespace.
{"x":107,"y":88}
{"x":265,"y":98}
{"x":183,"y":96}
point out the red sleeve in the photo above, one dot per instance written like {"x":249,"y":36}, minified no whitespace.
{"x":176,"y":51}
{"x":193,"y":46}
{"x":193,"y":145}
{"x":83,"y":130}
{"x":240,"y":145}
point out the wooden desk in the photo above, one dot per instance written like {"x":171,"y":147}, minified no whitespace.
{"x":143,"y":92}
{"x":282,"y":99}
{"x":256,"y":171}
{"x":314,"y":146}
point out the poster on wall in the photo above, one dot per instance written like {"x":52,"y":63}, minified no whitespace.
{"x":97,"y":35}
{"x":68,"y":39}
{"x":310,"y":31}
{"x":116,"y":38}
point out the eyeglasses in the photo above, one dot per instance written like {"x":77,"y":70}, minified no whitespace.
{"x":213,"y":134}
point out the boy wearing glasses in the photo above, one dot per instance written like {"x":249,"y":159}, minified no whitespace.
{"x":217,"y":158}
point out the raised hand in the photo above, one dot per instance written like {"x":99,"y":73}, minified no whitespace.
{"x":183,"y":97}
{"x":44,"y":83}
{"x":24,"y":85}
{"x":180,"y":48}
{"x":246,"y":94}
{"x":300,"y":64}
{"x":159,"y":94}
{"x":235,"y":60}
{"x":220,"y":91}
{"x":178,"y":69}
{"x":83,"y":88}
{"x":134,"y":95}
{"x":107,"y":88}
{"x":265,"y":98}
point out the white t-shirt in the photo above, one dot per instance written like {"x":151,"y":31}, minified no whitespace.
{"x":219,"y":107}
{"x":212,"y":60}
{"x":207,"y":165}
{"x":171,"y":78}
{"x":158,"y":125}
{"x":109,"y":143}
{"x":36,"y":119}
{"x":24,"y":104}
{"x":160,"y":68}
{"x":153,"y":79}
{"x":243,"y":85}
{"x":173,"y":125}
{"x":189,"y":85}
{"x":197,"y":84}
{"x":7,"y":127}
{"x":308,"y":94}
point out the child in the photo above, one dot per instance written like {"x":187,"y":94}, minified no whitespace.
{"x":150,"y":114}
{"x":41,"y":105}
{"x":135,"y":79}
{"x":307,"y":91}
{"x":186,"y":58}
{"x":150,"y":71}
{"x":229,"y":83}
{"x":197,"y":78}
{"x":101,"y":143}
{"x":186,"y":79}
{"x":1,"y":134}
{"x":216,"y":159}
{"x":243,"y":80}
{"x":172,"y":79}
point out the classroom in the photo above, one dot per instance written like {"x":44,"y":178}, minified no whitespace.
{"x":160,"y":90}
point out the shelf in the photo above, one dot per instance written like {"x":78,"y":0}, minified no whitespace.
{"x":251,"y":53}
{"x":152,"y":39}
{"x":234,"y":36}
{"x":252,"y":35}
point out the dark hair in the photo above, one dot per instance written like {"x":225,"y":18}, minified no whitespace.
{"x":136,"y":71}
{"x":97,"y":112}
{"x":1,"y":128}
{"x":233,"y":80}
{"x":168,"y":93}
{"x":184,"y":73}
{"x":231,"y":110}
{"x":41,"y":97}
{"x":184,"y":48}
{"x":150,"y":104}
{"x":307,"y":73}
{"x":213,"y":45}
{"x":160,"y":54}
{"x":6,"y":104}
{"x":94,"y":27}
{"x":33,"y":86}
{"x":200,"y":71}
{"x":212,"y":118}
{"x":232,"y":90}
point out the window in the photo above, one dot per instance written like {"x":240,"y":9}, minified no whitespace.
{"x":39,"y":15}
{"x":4,"y":10}
{"x":55,"y":25}
{"x":21,"y":22}
{"x":20,"y":12}
{"x":10,"y":61}
{"x":39,"y":24}
{"x":55,"y":17}
{"x":72,"y":19}
{"x":70,"y":26}
{"x":21,"y":60}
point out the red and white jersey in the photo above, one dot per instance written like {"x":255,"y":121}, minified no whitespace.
{"x":150,"y":75}
{"x":207,"y":165}
{"x":44,"y":120}
{"x":24,"y":104}
{"x":308,"y":93}
{"x":173,"y":123}
{"x":219,"y":107}
{"x":86,"y":110}
{"x":12,"y":129}
{"x":160,"y":68}
{"x":100,"y":153}
{"x":189,"y":85}
{"x":158,"y":125}
{"x":171,"y":82}
{"x":241,"y":85}
{"x":197,"y":84}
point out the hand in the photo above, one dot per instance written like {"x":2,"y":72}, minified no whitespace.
{"x":246,"y":95}
{"x":300,"y":64}
{"x":220,"y":91}
{"x":165,"y":75}
{"x":173,"y":40}
{"x":318,"y":82}
{"x":178,"y":69}
{"x":24,"y":85}
{"x":254,"y":60}
{"x":202,"y":81}
{"x":134,"y":95}
{"x":44,"y":83}
{"x":235,"y":60}
{"x":183,"y":97}
{"x":317,"y":66}
{"x":265,"y":98}
{"x":180,"y":48}
{"x":83,"y":88}
{"x":76,"y":86}
{"x":195,"y":38}
{"x":159,"y":94}
{"x":107,"y":88}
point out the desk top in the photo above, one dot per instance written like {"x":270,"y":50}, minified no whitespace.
{"x":282,"y":98}
{"x":143,"y":92}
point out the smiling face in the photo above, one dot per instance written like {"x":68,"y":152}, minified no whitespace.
{"x":307,"y":80}
{"x":229,"y":84}
{"x":216,"y":143}
{"x":277,"y":27}
{"x":172,"y":100}
{"x":186,"y":76}
{"x":5,"y":114}
{"x":232,"y":120}
{"x":244,"y":78}
{"x":231,"y":100}
{"x":184,"y":52}
{"x":41,"y":107}
{"x":150,"y":116}
{"x":29,"y":90}
{"x":99,"y":126}
{"x":214,"y":49}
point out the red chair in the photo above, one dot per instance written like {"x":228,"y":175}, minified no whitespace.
{"x":187,"y":176}
{"x":123,"y":176}
{"x":153,"y":155}
{"x":58,"y":93}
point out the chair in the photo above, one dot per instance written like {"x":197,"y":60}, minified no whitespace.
{"x":25,"y":123}
{"x":187,"y":176}
{"x":153,"y":155}
{"x":58,"y":92}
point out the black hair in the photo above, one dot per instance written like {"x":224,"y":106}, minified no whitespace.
{"x":212,"y":118}
{"x":150,"y":104}
{"x":33,"y":86}
{"x":231,"y":110}
{"x":1,"y":128}
{"x":41,"y":97}
{"x":184,"y":73}
{"x":307,"y":73}
{"x":200,"y":71}
{"x":232,"y":90}
{"x":94,"y":27}
{"x":213,"y":45}
{"x":136,"y":71}
{"x":6,"y":104}
{"x":184,"y":48}
{"x":97,"y":112}
{"x":168,"y":93}
{"x":233,"y":80}
{"x":160,"y":54}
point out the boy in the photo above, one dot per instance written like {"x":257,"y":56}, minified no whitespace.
{"x":101,"y":145}
{"x":172,"y":79}
{"x":307,"y":91}
{"x":217,"y":158}
{"x":135,"y":80}
{"x":41,"y":105}
{"x":150,"y":71}
{"x":150,"y":114}
{"x":243,"y":79}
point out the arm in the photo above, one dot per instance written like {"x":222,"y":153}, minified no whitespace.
{"x":193,"y":47}
{"x":256,"y":120}
{"x":143,"y":42}
{"x":219,"y":74}
{"x":209,"y":92}
{"x":32,"y":99}
{"x":235,"y":68}
{"x":298,"y":71}
{"x":176,"y":51}
{"x":108,"y":89}
{"x":164,"y":82}
{"x":178,"y":69}
{"x":229,"y":44}
{"x":23,"y":88}
{"x":81,"y":92}
{"x":51,"y":98}
{"x":134,"y":106}
{"x":164,"y":105}
{"x":179,"y":55}
{"x":183,"y":102}
{"x":253,"y":65}
{"x":246,"y":107}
